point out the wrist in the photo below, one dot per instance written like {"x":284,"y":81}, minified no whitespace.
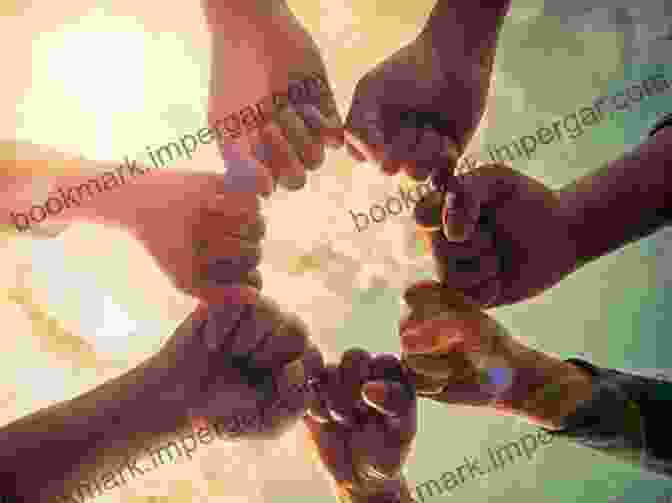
{"x":547,"y":389}
{"x":231,"y":15}
{"x":478,"y":23}
{"x":389,"y":491}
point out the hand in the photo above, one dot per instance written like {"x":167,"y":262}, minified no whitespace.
{"x":363,"y":424}
{"x":497,"y":236}
{"x":279,"y":67}
{"x":203,"y":235}
{"x":457,"y":354}
{"x":418,"y":109}
{"x":232,"y":361}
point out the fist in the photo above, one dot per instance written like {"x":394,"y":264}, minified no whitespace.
{"x":497,"y":236}
{"x":364,"y":421}
{"x":232,"y":361}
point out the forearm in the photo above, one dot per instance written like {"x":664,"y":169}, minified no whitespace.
{"x":41,"y":188}
{"x":626,"y":200}
{"x":478,"y":21}
{"x":55,"y":449}
{"x":545,"y":390}
{"x":235,"y":15}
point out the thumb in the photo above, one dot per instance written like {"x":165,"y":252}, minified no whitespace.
{"x":428,"y":294}
{"x":451,"y":212}
{"x":387,"y":397}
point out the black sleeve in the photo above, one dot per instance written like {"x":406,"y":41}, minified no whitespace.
{"x":626,"y":418}
{"x":664,"y":121}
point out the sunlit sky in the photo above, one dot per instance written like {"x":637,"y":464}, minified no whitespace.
{"x":104,"y":82}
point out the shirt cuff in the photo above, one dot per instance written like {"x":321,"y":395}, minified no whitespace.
{"x":664,"y":121}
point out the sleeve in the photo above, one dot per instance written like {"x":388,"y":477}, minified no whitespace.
{"x":624,"y":418}
{"x":664,"y":121}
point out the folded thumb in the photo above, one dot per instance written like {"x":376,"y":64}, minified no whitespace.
{"x":389,"y":398}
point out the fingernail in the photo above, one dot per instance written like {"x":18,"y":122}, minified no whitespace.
{"x":292,"y":182}
{"x":376,"y":392}
{"x":414,"y":341}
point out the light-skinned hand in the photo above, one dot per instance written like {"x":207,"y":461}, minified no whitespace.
{"x":278,"y":57}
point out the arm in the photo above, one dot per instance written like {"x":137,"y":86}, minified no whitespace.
{"x":616,"y":412}
{"x":31,"y":174}
{"x":477,"y":23}
{"x":211,"y":371}
{"x":211,"y":249}
{"x":626,"y":200}
{"x":62,"y":449}
{"x":621,"y":414}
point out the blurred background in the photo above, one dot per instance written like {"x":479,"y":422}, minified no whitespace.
{"x":91,"y":79}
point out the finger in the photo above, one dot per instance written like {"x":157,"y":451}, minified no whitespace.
{"x":487,"y":294}
{"x":403,"y":145}
{"x":365,"y":150}
{"x":314,"y":365}
{"x":337,"y":396}
{"x":386,"y":367}
{"x":427,"y":212}
{"x":452,"y":212}
{"x":298,"y":136}
{"x":243,"y":173}
{"x":284,"y":164}
{"x":442,"y":332}
{"x":332,"y":449}
{"x":235,"y":204}
{"x":426,"y":157}
{"x":222,"y":320}
{"x":401,"y":151}
{"x":230,"y":294}
{"x":257,"y":322}
{"x":466,"y":265}
{"x":327,"y":131}
{"x":229,"y":261}
{"x":432,"y":293}
{"x":287,"y":342}
{"x":248,"y":227}
{"x":454,"y":365}
{"x":319,"y":408}
{"x":355,"y":153}
{"x":353,"y":370}
{"x":429,"y":147}
{"x":333,"y":132}
{"x":397,"y":403}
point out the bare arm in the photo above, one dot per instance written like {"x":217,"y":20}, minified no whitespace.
{"x":39,"y":188}
{"x":62,"y":449}
{"x":211,"y":372}
{"x":626,"y":200}
{"x":476,"y":22}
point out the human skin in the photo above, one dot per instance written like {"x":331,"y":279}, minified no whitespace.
{"x":362,"y":423}
{"x":278,"y":52}
{"x":211,"y":248}
{"x":417,"y":110}
{"x":208,"y":369}
{"x":496,"y":256}
{"x":448,"y":342}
